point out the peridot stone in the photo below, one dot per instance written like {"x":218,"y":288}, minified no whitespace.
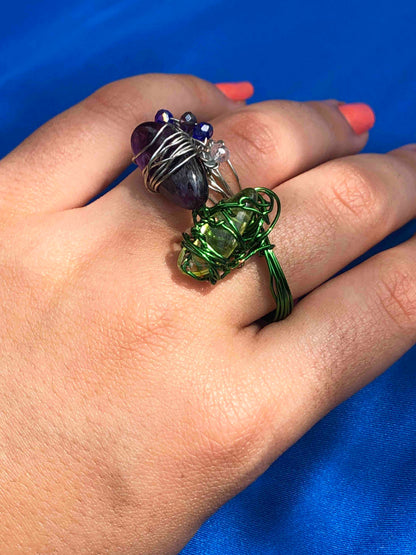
{"x":220,"y":239}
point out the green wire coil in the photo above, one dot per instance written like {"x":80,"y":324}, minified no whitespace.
{"x":235,"y":226}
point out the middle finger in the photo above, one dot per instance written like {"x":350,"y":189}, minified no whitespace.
{"x":269,"y":143}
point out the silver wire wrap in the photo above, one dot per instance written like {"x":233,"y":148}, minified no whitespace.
{"x":164,"y":161}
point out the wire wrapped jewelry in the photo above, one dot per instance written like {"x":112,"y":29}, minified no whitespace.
{"x":227,"y":234}
{"x":179,"y":159}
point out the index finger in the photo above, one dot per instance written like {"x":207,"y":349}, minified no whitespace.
{"x":73,"y":156}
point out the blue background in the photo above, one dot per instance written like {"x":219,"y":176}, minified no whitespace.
{"x":348,"y":486}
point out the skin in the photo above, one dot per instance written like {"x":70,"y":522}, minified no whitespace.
{"x":135,"y":401}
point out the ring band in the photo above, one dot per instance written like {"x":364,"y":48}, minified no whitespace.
{"x":179,"y":159}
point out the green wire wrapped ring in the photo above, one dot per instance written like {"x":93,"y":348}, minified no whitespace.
{"x":227,"y":234}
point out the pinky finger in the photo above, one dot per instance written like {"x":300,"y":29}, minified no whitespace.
{"x":342,"y":335}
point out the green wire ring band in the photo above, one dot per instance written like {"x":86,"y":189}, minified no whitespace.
{"x":253,"y":239}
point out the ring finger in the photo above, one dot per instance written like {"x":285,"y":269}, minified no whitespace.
{"x":331,"y":215}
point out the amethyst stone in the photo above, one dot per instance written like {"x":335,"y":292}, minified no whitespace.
{"x":188,"y":185}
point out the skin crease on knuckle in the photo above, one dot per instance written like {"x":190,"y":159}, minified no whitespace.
{"x":117,"y":100}
{"x":396,"y":291}
{"x":257,"y":153}
{"x":354,"y":195}
{"x":361,"y":185}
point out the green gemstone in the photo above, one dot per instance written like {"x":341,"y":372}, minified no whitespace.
{"x":220,"y":239}
{"x":196,"y":264}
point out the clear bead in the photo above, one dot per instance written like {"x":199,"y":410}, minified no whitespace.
{"x":219,"y":152}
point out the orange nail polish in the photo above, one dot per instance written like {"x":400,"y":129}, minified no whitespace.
{"x":359,"y":115}
{"x":236,"y":91}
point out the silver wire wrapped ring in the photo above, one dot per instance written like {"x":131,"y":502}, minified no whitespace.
{"x":179,"y":159}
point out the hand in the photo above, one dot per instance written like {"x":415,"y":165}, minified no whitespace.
{"x":135,"y":400}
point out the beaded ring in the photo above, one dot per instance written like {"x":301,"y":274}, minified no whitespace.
{"x":180,"y":160}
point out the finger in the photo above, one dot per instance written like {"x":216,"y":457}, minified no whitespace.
{"x":339,"y":338}
{"x":72,"y":157}
{"x":330,"y":216}
{"x":272,"y":141}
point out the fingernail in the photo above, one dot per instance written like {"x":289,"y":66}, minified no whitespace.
{"x":236,"y":91}
{"x":411,"y":146}
{"x":359,"y":115}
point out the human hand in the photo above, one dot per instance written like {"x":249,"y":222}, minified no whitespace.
{"x":134,"y":400}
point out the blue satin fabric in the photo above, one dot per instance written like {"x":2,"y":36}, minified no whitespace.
{"x":349,"y":485}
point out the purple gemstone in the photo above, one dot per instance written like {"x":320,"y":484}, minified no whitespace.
{"x":187,"y":122}
{"x":188,"y":185}
{"x":163,"y":116}
{"x":143,"y":135}
{"x":203,"y":131}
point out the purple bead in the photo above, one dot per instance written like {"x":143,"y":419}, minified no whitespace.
{"x":188,"y":185}
{"x":163,"y":116}
{"x":203,"y":131}
{"x":187,"y":122}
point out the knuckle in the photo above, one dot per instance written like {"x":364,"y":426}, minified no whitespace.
{"x":123,"y":99}
{"x":196,"y":88}
{"x":353,"y":193}
{"x":234,"y":423}
{"x":401,"y":163}
{"x":250,"y":132}
{"x":35,"y":268}
{"x":141,"y":326}
{"x":396,"y":290}
{"x":154,"y":326}
{"x":324,"y":374}
{"x":115,"y":101}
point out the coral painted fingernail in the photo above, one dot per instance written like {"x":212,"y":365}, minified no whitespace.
{"x":236,"y":91}
{"x":359,"y":115}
